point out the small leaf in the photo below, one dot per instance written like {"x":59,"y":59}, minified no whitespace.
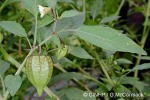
{"x":13,"y":27}
{"x":69,"y":13}
{"x":15,"y":82}
{"x":31,"y":6}
{"x":123,"y":61}
{"x":96,"y":7}
{"x":3,"y":66}
{"x":45,"y":21}
{"x":79,"y":52}
{"x":142,"y":66}
{"x":56,"y":40}
{"x":109,"y":39}
{"x":109,"y":19}
{"x":143,"y":57}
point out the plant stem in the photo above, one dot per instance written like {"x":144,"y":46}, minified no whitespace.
{"x":29,"y":42}
{"x":3,"y":85}
{"x":144,"y":38}
{"x":118,"y":10}
{"x":35,"y":31}
{"x":22,"y":65}
{"x":3,"y":5}
{"x":103,"y":66}
{"x":50,"y":93}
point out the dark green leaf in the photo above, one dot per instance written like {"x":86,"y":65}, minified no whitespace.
{"x":65,"y":76}
{"x":109,"y":39}
{"x":75,"y":94}
{"x":79,"y":52}
{"x":13,"y":83}
{"x":13,"y":27}
{"x":3,"y":66}
{"x":31,"y":6}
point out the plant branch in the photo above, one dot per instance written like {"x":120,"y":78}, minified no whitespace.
{"x":14,"y":62}
{"x":144,"y":38}
{"x":35,"y":32}
{"x":103,"y":66}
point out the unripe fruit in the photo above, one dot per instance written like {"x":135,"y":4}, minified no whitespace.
{"x":62,"y":52}
{"x":39,"y":71}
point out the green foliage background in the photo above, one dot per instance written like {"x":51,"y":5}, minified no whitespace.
{"x":92,"y":50}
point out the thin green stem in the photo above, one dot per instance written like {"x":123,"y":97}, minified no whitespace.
{"x":3,"y":85}
{"x":29,"y":42}
{"x":118,"y":10}
{"x":50,"y":93}
{"x":103,"y":66}
{"x":35,"y":31}
{"x":3,"y":5}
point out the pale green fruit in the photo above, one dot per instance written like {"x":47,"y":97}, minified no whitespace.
{"x":39,"y":71}
{"x":62,"y":52}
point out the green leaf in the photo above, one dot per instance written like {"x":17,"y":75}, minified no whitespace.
{"x":68,"y":1}
{"x":96,"y":8}
{"x":71,"y":22}
{"x":65,"y":76}
{"x":79,"y":52}
{"x":4,"y":66}
{"x":109,"y":19}
{"x":123,"y":61}
{"x":13,"y":1}
{"x":45,"y":21}
{"x":51,"y":3}
{"x":143,"y":57}
{"x":15,"y":82}
{"x":69,"y":13}
{"x":142,"y":66}
{"x":122,"y":89}
{"x":56,"y":40}
{"x":13,"y":27}
{"x":31,"y":6}
{"x":75,"y":94}
{"x":109,"y":39}
{"x":133,"y":81}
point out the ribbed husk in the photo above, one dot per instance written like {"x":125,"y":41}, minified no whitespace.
{"x":39,"y":71}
